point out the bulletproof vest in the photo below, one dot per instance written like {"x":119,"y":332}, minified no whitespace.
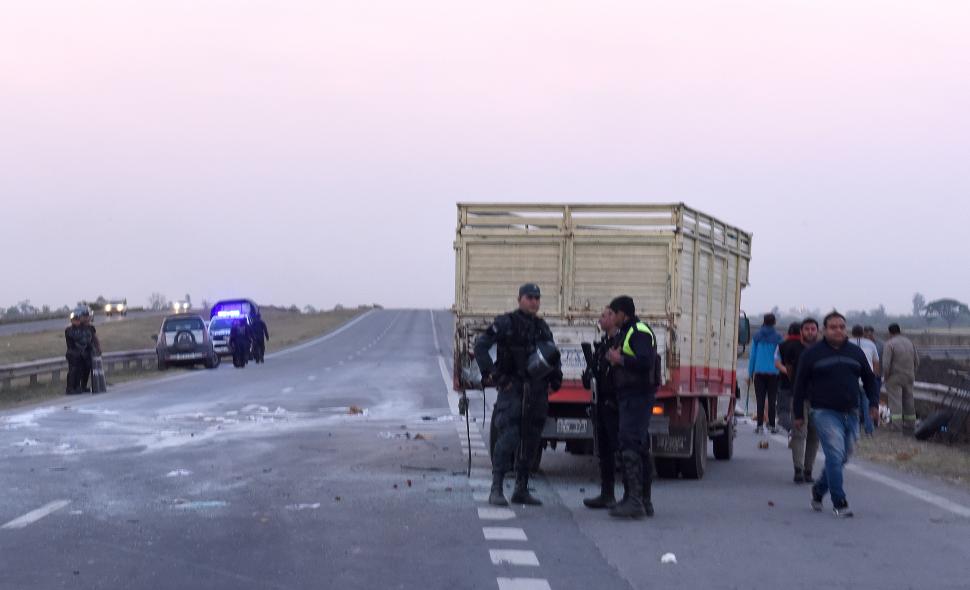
{"x":603,"y":369}
{"x":625,"y":379}
{"x":514,"y":350}
{"x":82,"y":338}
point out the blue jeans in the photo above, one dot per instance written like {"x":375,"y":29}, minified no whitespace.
{"x":864,"y":417}
{"x":837,"y":432}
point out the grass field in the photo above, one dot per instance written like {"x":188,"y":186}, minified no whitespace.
{"x":285,"y":328}
{"x":950,"y":463}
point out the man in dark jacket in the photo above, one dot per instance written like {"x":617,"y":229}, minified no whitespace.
{"x":598,"y":377}
{"x":803,"y":441}
{"x":523,"y":396}
{"x":828,"y":377}
{"x":634,"y":362}
{"x":260,"y":334}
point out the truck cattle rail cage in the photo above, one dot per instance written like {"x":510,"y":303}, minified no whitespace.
{"x":685,"y":271}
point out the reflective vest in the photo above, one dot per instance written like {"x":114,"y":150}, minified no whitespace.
{"x":639,"y":327}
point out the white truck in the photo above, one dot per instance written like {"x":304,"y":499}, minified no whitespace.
{"x":685,"y":271}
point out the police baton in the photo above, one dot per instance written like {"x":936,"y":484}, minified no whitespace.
{"x":463,"y":411}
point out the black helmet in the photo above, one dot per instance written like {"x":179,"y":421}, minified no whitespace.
{"x":543,"y":360}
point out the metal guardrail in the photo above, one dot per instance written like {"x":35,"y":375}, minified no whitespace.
{"x":51,"y":370}
{"x":944,"y":352}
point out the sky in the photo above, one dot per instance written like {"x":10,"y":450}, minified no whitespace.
{"x":313,"y":152}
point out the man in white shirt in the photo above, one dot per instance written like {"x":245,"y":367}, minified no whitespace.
{"x":872,"y":355}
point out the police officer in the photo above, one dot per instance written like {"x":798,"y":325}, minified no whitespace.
{"x":635,"y":366}
{"x":240,"y":343}
{"x":607,"y":416}
{"x":260,"y":334}
{"x":93,"y":348}
{"x":528,"y":365}
{"x":80,"y":339}
{"x":73,"y":353}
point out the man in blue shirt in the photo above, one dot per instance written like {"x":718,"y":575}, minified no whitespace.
{"x":828,"y":377}
{"x":762,"y":371}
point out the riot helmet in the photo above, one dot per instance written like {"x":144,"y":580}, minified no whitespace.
{"x":543,"y":360}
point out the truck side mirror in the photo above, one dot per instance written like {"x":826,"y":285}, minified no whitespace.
{"x":744,"y":330}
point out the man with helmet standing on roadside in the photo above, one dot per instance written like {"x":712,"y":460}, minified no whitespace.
{"x":527,"y":367}
{"x":82,"y":342}
{"x":635,"y":377}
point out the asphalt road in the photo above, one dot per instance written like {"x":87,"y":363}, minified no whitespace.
{"x":264,"y":478}
{"x":45,"y":325}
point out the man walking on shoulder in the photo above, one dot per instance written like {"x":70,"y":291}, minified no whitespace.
{"x":828,"y":377}
{"x":804,"y":440}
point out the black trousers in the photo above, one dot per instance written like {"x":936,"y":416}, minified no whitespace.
{"x":766,"y":387}
{"x":259,"y":350}
{"x":518,"y":432}
{"x":240,"y":354}
{"x":634,"y":422}
{"x":607,"y":439}
{"x":78,"y":372}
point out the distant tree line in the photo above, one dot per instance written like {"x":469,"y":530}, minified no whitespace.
{"x":946,"y":312}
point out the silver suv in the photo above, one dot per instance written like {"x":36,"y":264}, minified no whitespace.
{"x":184,"y":339}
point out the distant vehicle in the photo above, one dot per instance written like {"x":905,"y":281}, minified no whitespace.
{"x":183,"y":339}
{"x":116,"y":307}
{"x":181,"y":306}
{"x":219,"y":328}
{"x":234,"y":308}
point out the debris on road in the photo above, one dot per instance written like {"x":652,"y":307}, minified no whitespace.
{"x":299,"y":507}
{"x":178,"y":473}
{"x":668,"y":558}
{"x":763,"y":443}
{"x":355,"y":410}
{"x":27,"y":442}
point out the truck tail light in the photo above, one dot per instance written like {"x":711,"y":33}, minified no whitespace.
{"x":658,"y":410}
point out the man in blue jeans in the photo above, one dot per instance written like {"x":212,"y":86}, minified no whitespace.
{"x":828,"y":377}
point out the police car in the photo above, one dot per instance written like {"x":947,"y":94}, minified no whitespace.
{"x":223,"y":315}
{"x":183,"y":339}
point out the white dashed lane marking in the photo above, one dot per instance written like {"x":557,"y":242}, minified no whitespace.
{"x":35,"y":515}
{"x":523,"y":584}
{"x":488,"y":513}
{"x":513,"y":557}
{"x":503,"y":533}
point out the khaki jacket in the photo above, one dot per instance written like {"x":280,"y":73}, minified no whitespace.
{"x":900,"y":359}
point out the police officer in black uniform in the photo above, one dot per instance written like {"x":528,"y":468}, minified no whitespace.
{"x":528,"y":365}
{"x":607,"y":418}
{"x":240,"y":344}
{"x":73,"y":354}
{"x":260,"y":334}
{"x":635,"y":377}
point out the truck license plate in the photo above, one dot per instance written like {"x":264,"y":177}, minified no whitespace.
{"x":671,"y":443}
{"x":572,"y":425}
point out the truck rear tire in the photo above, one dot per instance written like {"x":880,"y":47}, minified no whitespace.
{"x":693,"y":467}
{"x":724,"y":442}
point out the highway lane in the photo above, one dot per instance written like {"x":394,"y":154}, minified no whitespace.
{"x":261,"y":478}
{"x":55,"y":324}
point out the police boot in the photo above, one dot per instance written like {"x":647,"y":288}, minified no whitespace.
{"x":632,"y":505}
{"x":607,"y":497}
{"x":497,"y":496}
{"x":521,"y":493}
{"x":647,"y":472}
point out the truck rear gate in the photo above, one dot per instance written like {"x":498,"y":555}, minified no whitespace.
{"x":684,"y":269}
